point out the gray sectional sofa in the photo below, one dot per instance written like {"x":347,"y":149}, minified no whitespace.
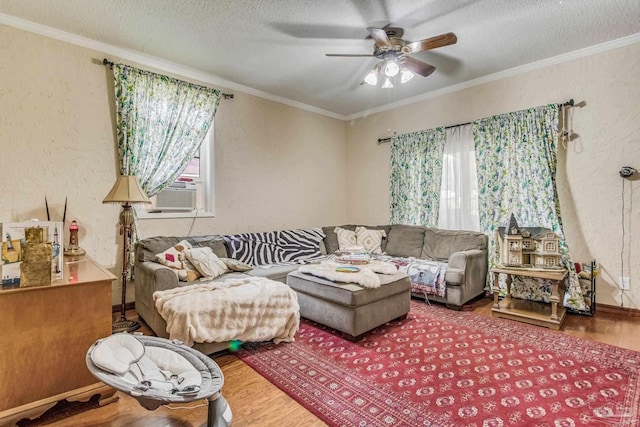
{"x":464,"y":251}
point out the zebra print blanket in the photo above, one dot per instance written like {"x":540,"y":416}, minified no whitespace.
{"x":275,"y":247}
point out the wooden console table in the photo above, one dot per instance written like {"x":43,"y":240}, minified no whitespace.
{"x":46,"y":332}
{"x":536,"y":313}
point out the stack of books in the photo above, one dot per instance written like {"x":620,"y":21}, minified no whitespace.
{"x":355,"y":258}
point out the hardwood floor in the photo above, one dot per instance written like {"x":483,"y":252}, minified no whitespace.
{"x":256,"y":402}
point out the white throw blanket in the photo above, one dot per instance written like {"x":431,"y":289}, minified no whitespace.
{"x":366,"y":277}
{"x":252,"y":309}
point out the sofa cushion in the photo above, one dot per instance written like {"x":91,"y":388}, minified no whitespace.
{"x":331,"y":238}
{"x":405,"y":240}
{"x":440,"y":244}
{"x":349,"y":294}
{"x":215,"y":242}
{"x":146,"y":249}
{"x":273,"y":272}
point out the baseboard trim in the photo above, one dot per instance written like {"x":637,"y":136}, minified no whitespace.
{"x":613,"y":309}
{"x":127,"y":306}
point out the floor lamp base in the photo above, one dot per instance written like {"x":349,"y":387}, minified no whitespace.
{"x":124,"y":325}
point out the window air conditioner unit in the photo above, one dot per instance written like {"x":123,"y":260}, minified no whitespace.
{"x":179,"y":196}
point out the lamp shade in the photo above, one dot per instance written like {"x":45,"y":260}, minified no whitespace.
{"x":126,"y":190}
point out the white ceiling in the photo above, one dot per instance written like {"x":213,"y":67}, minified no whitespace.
{"x":277,"y":47}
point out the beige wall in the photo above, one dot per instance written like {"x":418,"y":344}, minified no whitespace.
{"x":608,"y":137}
{"x":276,"y":166}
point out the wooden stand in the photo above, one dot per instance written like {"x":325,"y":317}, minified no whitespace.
{"x":533,"y":312}
{"x":47,"y":331}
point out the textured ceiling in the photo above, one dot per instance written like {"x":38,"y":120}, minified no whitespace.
{"x":278,"y":46}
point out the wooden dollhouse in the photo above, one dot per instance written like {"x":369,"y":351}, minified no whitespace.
{"x":528,"y":247}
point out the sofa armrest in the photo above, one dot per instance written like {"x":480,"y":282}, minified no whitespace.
{"x":151,"y":277}
{"x":468,"y":267}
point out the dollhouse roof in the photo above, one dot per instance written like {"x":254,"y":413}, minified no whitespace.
{"x":535,"y":232}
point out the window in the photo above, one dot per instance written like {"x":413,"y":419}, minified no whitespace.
{"x":197,"y":175}
{"x":459,"y":189}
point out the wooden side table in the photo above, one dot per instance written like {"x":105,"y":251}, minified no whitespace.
{"x":536,"y":313}
{"x":46,"y":331}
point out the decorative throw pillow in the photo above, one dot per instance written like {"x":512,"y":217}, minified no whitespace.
{"x":346,"y":238}
{"x":206,"y":262}
{"x":300,"y":245}
{"x":192,"y":272}
{"x":174,"y":256}
{"x":235,"y":265}
{"x":370,"y":240}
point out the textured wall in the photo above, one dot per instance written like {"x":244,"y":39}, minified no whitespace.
{"x":56,"y":137}
{"x":607,"y":136}
{"x":276,"y":166}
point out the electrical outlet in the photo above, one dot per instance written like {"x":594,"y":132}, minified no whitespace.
{"x":624,"y":283}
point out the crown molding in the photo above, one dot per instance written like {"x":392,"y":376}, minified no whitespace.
{"x":599,"y":48}
{"x":155,"y":62}
{"x":212,"y":79}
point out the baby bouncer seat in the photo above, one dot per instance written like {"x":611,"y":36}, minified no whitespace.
{"x":157,"y":371}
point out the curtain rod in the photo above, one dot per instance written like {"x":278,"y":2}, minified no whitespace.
{"x":569,"y":103}
{"x":109,"y":64}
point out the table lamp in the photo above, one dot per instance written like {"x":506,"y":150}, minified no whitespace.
{"x":125,"y":192}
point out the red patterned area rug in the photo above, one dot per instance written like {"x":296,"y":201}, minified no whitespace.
{"x":441,"y":367}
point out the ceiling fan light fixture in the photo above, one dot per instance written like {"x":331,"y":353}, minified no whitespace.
{"x":391,"y":68}
{"x":405,"y":75}
{"x":387,"y":84}
{"x":372,"y":77}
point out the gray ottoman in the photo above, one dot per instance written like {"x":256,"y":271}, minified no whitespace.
{"x":349,"y":307}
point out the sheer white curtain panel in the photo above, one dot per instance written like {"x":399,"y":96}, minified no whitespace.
{"x":459,"y":191}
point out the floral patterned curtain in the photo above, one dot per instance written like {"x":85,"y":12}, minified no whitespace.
{"x":516,"y":164}
{"x":160,"y":124}
{"x":416,"y":174}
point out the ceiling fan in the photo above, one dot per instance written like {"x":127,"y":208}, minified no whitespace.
{"x":394,"y":54}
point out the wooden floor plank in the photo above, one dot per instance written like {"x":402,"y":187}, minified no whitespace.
{"x":256,"y":402}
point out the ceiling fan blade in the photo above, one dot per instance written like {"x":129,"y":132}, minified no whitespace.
{"x":418,"y":67}
{"x":430,"y":43}
{"x":354,"y":55}
{"x":391,"y":32}
{"x":380,"y":36}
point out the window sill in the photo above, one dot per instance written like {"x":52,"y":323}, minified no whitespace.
{"x":150,"y":214}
